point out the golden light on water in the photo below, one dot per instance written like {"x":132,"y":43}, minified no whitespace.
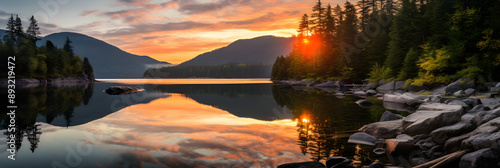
{"x":306,"y":41}
{"x":305,"y":120}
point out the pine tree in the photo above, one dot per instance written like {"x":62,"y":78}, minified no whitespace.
{"x":373,"y":4}
{"x":364,"y":12}
{"x":33,"y":31}
{"x":317,"y":18}
{"x":87,"y":68}
{"x":68,"y":48}
{"x":329,"y":21}
{"x":11,"y":30}
{"x":304,"y":26}
{"x":18,"y":28}
{"x":339,"y":18}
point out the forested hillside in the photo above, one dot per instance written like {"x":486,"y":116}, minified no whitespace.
{"x":426,"y":42}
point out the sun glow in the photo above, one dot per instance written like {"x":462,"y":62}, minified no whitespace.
{"x":305,"y":120}
{"x":306,"y":41}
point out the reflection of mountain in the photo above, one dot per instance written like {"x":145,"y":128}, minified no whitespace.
{"x":246,"y":100}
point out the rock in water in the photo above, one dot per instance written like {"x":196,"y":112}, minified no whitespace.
{"x":483,"y":158}
{"x":362,"y":138}
{"x":303,"y":165}
{"x":121,"y":90}
{"x":338,"y":162}
{"x":429,"y":117}
{"x":376,"y":165}
{"x":386,"y":129}
{"x":364,"y":103}
{"x":388,"y":116}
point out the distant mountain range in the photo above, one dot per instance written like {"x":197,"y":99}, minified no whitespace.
{"x":264,"y":49}
{"x":107,"y":60}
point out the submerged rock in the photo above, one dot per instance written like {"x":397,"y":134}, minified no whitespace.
{"x":385,"y":129}
{"x":429,"y":117}
{"x":364,"y":103}
{"x":359,"y":93}
{"x":121,"y":90}
{"x":303,"y":165}
{"x":388,"y":116}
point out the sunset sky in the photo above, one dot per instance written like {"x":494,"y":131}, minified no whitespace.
{"x":167,"y":30}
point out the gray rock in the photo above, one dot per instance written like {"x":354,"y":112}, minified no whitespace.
{"x":381,"y":82}
{"x":459,"y":93}
{"x":471,"y":101}
{"x":429,"y":117}
{"x":405,"y":137}
{"x":497,"y":85}
{"x":339,"y":84}
{"x":399,"y":91}
{"x":379,"y":95}
{"x":406,"y":98}
{"x":460,"y":84}
{"x":397,"y":107}
{"x":386,"y":88}
{"x":485,"y":116}
{"x":379,"y":151}
{"x":414,"y":88}
{"x":371,"y":92}
{"x":385,"y":129}
{"x":433,"y":99}
{"x":362,"y":138}
{"x":338,"y":162}
{"x":469,"y":91}
{"x":491,"y":102}
{"x":442,"y":134}
{"x":339,"y":94}
{"x":327,"y":84}
{"x":121,"y":90}
{"x":439,"y":90}
{"x":388,"y":116}
{"x":296,"y":83}
{"x":364,"y":103}
{"x":359,"y":93}
{"x":485,"y":136}
{"x":399,"y":85}
{"x":484,"y":158}
{"x":376,"y":165}
{"x":454,"y":144}
{"x":458,"y":102}
{"x":494,"y":89}
{"x":303,"y":165}
{"x":369,"y":86}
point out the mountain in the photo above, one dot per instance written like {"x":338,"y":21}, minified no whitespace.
{"x":107,"y":60}
{"x":264,"y":49}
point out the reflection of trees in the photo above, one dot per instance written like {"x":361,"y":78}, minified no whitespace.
{"x":49,"y":102}
{"x":325,"y":122}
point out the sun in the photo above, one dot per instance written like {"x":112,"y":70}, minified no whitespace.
{"x":306,"y":41}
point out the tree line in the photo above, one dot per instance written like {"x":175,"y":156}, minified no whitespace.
{"x":426,"y":42}
{"x":232,"y":70}
{"x":43,"y":62}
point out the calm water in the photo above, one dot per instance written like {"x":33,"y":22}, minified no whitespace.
{"x":183,"y":123}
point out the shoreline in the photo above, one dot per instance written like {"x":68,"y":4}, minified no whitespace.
{"x":49,"y":82}
{"x":452,"y":124}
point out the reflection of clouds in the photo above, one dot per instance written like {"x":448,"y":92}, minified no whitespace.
{"x":179,"y":132}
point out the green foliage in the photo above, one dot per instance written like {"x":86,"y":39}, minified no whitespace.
{"x":377,"y":73}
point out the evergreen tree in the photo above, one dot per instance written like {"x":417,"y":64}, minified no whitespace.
{"x":364,"y":12}
{"x":33,"y":31}
{"x":18,"y":27}
{"x":329,"y":21}
{"x":304,"y":26}
{"x":339,"y":18}
{"x":68,"y":48}
{"x":11,"y":30}
{"x":317,"y":17}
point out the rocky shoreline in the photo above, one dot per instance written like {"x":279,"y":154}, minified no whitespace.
{"x":457,"y":125}
{"x":51,"y":82}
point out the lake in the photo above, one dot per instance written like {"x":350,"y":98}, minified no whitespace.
{"x":184,"y":123}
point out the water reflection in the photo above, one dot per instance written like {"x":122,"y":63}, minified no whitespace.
{"x":325,"y":122}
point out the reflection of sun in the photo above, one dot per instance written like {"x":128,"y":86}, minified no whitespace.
{"x":304,"y":120}
{"x":306,"y":41}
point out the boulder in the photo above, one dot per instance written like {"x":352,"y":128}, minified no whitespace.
{"x":397,"y":146}
{"x":497,"y":85}
{"x":376,"y":164}
{"x":429,"y":117}
{"x":397,"y":107}
{"x":327,"y":84}
{"x":359,"y":93}
{"x":461,"y":84}
{"x":405,"y":137}
{"x":471,"y":101}
{"x":459,"y":94}
{"x":303,"y":165}
{"x":454,"y":144}
{"x":485,"y":136}
{"x":381,"y":82}
{"x":469,"y":91}
{"x":385,"y":129}
{"x":369,"y":86}
{"x":406,"y":98}
{"x":338,"y":162}
{"x":296,"y":83}
{"x":362,"y":138}
{"x":399,"y":85}
{"x":458,"y":102}
{"x":364,"y":103}
{"x":388,"y":116}
{"x":379,"y":95}
{"x":491,"y":102}
{"x":485,"y":116}
{"x":442,"y":134}
{"x":494,"y":89}
{"x":484,"y":158}
{"x":386,"y":88}
{"x":439,"y":90}
{"x":433,"y":99}
{"x":414,"y":88}
{"x":121,"y":90}
{"x":371,"y":92}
